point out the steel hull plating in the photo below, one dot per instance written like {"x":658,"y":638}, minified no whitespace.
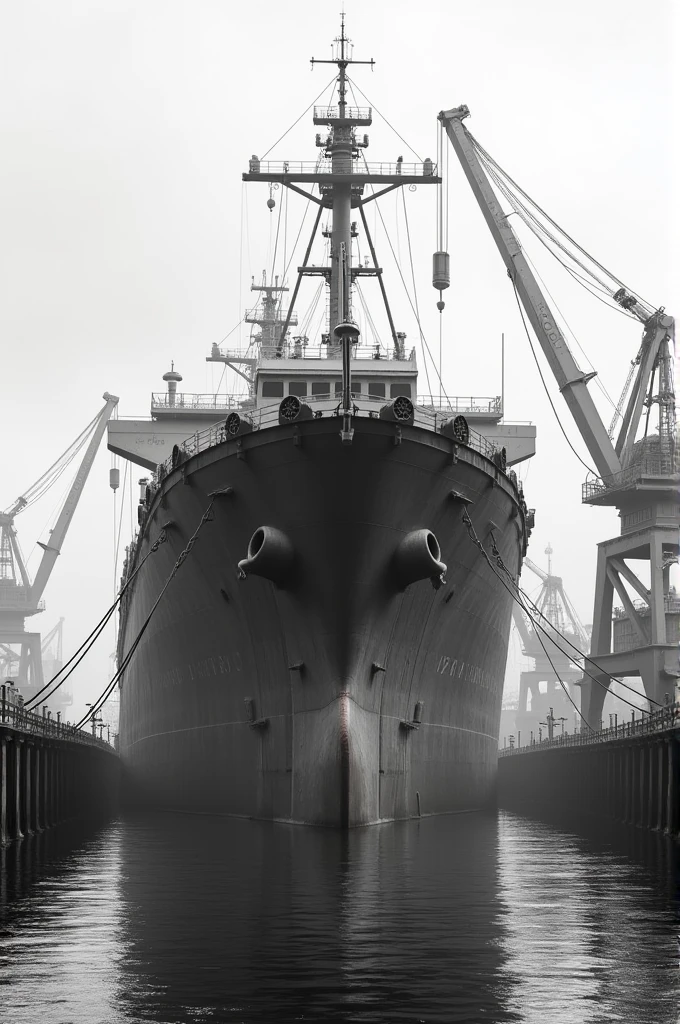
{"x":293,"y":701}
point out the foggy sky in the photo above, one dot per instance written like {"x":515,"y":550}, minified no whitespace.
{"x":126,"y":127}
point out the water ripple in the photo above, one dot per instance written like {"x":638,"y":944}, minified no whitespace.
{"x":466,"y":918}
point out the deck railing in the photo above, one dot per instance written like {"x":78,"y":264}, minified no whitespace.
{"x":14,"y":716}
{"x":456,"y":404}
{"x":365,"y":406}
{"x":352,"y":113}
{"x":300,"y":350}
{"x":663,"y":720}
{"x":426,"y":169}
{"x":160,"y":401}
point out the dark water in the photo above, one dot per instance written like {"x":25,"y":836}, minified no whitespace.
{"x":465,"y":918}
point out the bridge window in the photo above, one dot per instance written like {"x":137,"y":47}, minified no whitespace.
{"x":376,"y":388}
{"x":355,"y":388}
{"x":272,"y":389}
{"x":400,"y":387}
{"x":321,"y":387}
{"x":298,"y":387}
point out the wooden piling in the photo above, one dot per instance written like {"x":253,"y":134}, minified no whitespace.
{"x":660,"y":785}
{"x":18,"y":761}
{"x":672,"y":787}
{"x":3,"y":792}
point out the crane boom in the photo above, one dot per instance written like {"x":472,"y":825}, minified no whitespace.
{"x":571,"y":380}
{"x":52,"y":550}
{"x":537,"y":570}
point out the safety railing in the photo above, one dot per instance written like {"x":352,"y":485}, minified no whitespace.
{"x":14,"y":595}
{"x":663,"y":720}
{"x":256,"y":316}
{"x":161,"y":401}
{"x":352,"y":113}
{"x":456,"y":404}
{"x":671,"y":603}
{"x":299,"y":350}
{"x":14,"y":716}
{"x":324,"y":406}
{"x":660,"y":466}
{"x":426,"y":169}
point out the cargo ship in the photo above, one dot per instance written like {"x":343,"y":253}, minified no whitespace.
{"x":310,"y":630}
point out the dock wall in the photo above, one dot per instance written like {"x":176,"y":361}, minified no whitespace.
{"x":50,"y":773}
{"x":630,"y":774}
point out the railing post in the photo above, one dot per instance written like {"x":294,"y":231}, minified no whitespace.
{"x":4,"y":692}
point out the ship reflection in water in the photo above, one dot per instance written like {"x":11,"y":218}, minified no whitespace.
{"x":180,"y":918}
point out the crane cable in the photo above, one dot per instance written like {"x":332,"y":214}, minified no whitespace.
{"x":51,"y":475}
{"x":488,"y":161}
{"x":106,"y":693}
{"x":545,"y":386}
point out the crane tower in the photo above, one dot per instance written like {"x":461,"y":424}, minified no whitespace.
{"x":551,"y":660}
{"x":20,"y":598}
{"x":638,"y":473}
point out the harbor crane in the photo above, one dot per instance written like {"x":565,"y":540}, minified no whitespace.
{"x":638,"y":475}
{"x":19,"y":597}
{"x":553,"y":662}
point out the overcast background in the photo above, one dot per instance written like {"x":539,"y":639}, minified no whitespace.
{"x":125,"y":130}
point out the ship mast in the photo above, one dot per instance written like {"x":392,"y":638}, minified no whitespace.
{"x":341,"y":147}
{"x":341,"y":175}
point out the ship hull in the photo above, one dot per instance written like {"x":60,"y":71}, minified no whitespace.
{"x":296,"y":700}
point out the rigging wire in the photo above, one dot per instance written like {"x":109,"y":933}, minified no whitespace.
{"x":380,"y":114}
{"x":57,"y":469}
{"x":297,"y":120}
{"x":595,"y":287}
{"x":472,"y":534}
{"x":120,"y":521}
{"x":545,"y":386}
{"x":104,"y":696}
{"x":553,"y":631}
{"x":276,"y":243}
{"x":415,"y":290}
{"x":367,"y":313}
{"x":486,"y":156}
{"x":240,"y":263}
{"x":580,"y":654}
{"x":573,"y":336}
{"x":518,"y":594}
{"x":89,"y":641}
{"x":295,"y":243}
{"x":414,"y":308}
{"x":311,"y":310}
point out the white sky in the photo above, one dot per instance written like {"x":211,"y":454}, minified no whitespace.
{"x":126,"y":126}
